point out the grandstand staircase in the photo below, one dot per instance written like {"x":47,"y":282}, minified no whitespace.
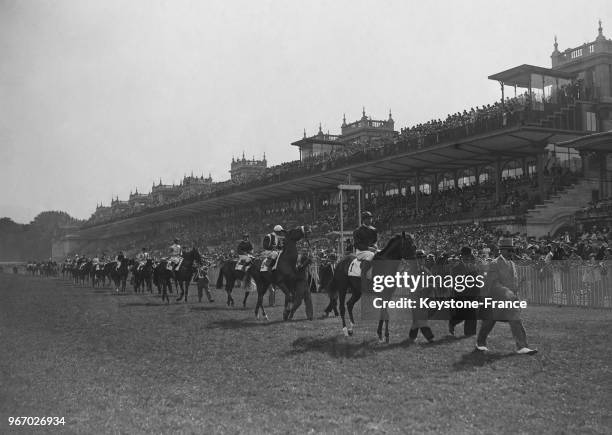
{"x":557,"y":211}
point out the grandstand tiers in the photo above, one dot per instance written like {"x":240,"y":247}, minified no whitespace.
{"x":550,"y":130}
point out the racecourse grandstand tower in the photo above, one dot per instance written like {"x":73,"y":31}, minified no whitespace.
{"x":530,"y":162}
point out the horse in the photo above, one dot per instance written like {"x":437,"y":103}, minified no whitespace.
{"x":326,"y":276}
{"x":184,"y":273}
{"x":162,"y":278}
{"x":303,"y":287}
{"x":283,"y":275}
{"x":229,"y":275}
{"x":143,"y":276}
{"x":84,"y":271}
{"x":400,"y":247}
{"x":119,"y":274}
{"x":99,"y":275}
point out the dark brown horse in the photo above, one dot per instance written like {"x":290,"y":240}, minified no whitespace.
{"x":284,"y":275}
{"x":400,"y":247}
{"x":184,"y":273}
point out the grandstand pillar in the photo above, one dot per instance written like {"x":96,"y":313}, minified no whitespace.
{"x":603,"y":179}
{"x":498,"y":179}
{"x":584,"y":157}
{"x":416,"y":191}
{"x":477,"y":175}
{"x":524,"y":166}
{"x":315,"y":206}
{"x":434,"y":188}
{"x":456,"y":179}
{"x":540,"y":174}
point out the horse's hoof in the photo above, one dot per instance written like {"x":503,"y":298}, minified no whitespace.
{"x":386,"y":339}
{"x":350,"y":332}
{"x":266,"y":317}
{"x":345,"y":331}
{"x":380,"y":340}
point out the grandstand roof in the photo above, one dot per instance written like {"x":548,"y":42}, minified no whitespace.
{"x":521,"y":75}
{"x":592,"y":142}
{"x":481,"y":150}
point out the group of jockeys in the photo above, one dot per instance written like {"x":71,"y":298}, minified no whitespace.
{"x":272,"y":245}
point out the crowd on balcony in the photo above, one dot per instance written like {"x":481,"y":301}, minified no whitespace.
{"x":481,"y":119}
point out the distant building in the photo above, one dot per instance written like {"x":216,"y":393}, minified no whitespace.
{"x":244,"y":170}
{"x":592,"y":62}
{"x":363,"y":133}
{"x":367,"y":131}
{"x":139,"y":200}
{"x":191,"y":186}
{"x":163,"y":193}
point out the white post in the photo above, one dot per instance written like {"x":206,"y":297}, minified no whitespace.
{"x":341,"y":226}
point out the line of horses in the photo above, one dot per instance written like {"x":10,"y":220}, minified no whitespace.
{"x":158,"y":274}
{"x":290,"y":275}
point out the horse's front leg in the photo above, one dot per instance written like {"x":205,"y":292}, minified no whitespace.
{"x":180,"y":296}
{"x":342,"y":300}
{"x":355,"y":296}
{"x":228,"y":289}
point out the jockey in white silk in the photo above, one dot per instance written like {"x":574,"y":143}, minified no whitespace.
{"x":272,"y":245}
{"x":142,"y":258}
{"x":176,"y":253}
{"x":119,"y":258}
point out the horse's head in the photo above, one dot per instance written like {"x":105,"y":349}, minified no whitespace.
{"x":298,"y":233}
{"x":400,"y":247}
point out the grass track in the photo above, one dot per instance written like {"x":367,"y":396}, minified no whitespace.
{"x":129,"y":364}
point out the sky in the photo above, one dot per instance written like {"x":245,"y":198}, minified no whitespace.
{"x":100,"y":98}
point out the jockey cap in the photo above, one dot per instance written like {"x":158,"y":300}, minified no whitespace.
{"x":278,"y":229}
{"x":366,"y":214}
{"x":176,"y":240}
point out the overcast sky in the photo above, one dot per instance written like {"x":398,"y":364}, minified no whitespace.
{"x":100,"y":98}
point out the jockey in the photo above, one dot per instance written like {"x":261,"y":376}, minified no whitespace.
{"x":119,"y":258}
{"x":365,"y":238}
{"x":142,"y":257}
{"x":245,"y":249}
{"x":273,"y":243}
{"x":95,"y":262}
{"x":175,"y":255}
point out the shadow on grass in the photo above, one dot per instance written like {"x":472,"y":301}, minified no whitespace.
{"x":343,"y":347}
{"x":475,"y":359}
{"x":248,"y":323}
{"x":448,"y":339}
{"x":212,"y":308}
{"x":144,"y":304}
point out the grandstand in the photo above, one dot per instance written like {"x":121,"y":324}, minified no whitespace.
{"x":536,"y":162}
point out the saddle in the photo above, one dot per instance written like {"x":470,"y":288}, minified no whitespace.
{"x":242,"y":265}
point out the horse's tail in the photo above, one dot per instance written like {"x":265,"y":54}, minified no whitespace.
{"x":220,"y":277}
